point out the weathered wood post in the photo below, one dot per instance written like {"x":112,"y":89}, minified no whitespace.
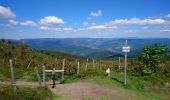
{"x":119,"y":63}
{"x":15,"y":61}
{"x":53,"y":77}
{"x":76,"y":61}
{"x":12,"y":75}
{"x":63,"y":70}
{"x":38,"y":76}
{"x":78,"y":67}
{"x":43,"y":69}
{"x":29,"y":64}
{"x":93,"y":63}
{"x":86,"y":65}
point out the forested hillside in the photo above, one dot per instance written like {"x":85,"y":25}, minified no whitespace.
{"x":91,"y":47}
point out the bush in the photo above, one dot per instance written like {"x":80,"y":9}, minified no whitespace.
{"x":23,"y":93}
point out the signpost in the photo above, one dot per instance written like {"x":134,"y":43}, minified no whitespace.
{"x":125,"y":49}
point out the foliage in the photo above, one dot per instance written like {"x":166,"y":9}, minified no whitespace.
{"x":151,"y":58}
{"x":25,"y":93}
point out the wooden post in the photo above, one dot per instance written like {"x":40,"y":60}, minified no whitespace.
{"x":43,"y":69}
{"x":93,"y":63}
{"x":119,"y":63}
{"x":76,"y":61}
{"x":86,"y":65}
{"x":53,"y":77}
{"x":15,"y":61}
{"x":38,"y":76}
{"x":78,"y":67}
{"x":29,"y":64}
{"x":12,"y":75}
{"x":63,"y":69}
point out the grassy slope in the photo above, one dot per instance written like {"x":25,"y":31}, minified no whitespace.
{"x":125,"y":92}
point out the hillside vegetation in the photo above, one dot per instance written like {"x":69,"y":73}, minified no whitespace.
{"x":148,"y":73}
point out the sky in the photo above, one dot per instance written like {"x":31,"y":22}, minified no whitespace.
{"x":20,"y":19}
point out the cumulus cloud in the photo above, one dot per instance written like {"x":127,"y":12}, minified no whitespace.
{"x":28,"y":23}
{"x":51,"y":20}
{"x":6,"y":13}
{"x":64,"y":30}
{"x":137,"y":21}
{"x":96,"y":14}
{"x":166,"y":30}
{"x":13,"y":22}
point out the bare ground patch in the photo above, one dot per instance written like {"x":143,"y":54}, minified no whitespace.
{"x":84,"y":91}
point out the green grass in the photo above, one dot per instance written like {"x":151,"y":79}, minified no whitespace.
{"x":25,"y":93}
{"x":131,"y":91}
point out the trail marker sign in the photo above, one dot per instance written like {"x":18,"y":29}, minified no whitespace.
{"x":125,"y":49}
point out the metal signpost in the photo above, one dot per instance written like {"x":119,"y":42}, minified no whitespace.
{"x":125,"y":49}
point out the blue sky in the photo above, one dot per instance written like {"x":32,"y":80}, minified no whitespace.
{"x":84,"y":18}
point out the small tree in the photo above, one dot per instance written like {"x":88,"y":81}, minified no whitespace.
{"x":22,"y":50}
{"x":151,"y":58}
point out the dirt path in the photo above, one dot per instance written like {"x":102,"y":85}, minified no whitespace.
{"x":84,"y":91}
{"x":75,"y":91}
{"x":21,"y":83}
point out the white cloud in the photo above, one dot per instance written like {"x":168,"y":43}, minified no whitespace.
{"x":88,"y":24}
{"x":166,"y":30}
{"x":97,"y":27}
{"x":44,"y":28}
{"x":100,"y":27}
{"x":51,"y":20}
{"x":6,"y":13}
{"x":85,"y":23}
{"x":168,"y":16}
{"x":129,"y":31}
{"x":96,"y":14}
{"x":64,"y":30}
{"x":13,"y":22}
{"x":137,"y":21}
{"x":28,"y":23}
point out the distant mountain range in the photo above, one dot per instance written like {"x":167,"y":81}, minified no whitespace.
{"x":101,"y":48}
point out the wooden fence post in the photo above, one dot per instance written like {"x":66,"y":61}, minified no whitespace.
{"x":38,"y":76}
{"x":53,"y":75}
{"x":78,"y":67}
{"x":12,"y":75}
{"x":86,"y":65}
{"x":29,"y":64}
{"x":93,"y":63}
{"x":63,"y":69}
{"x":43,"y":69}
